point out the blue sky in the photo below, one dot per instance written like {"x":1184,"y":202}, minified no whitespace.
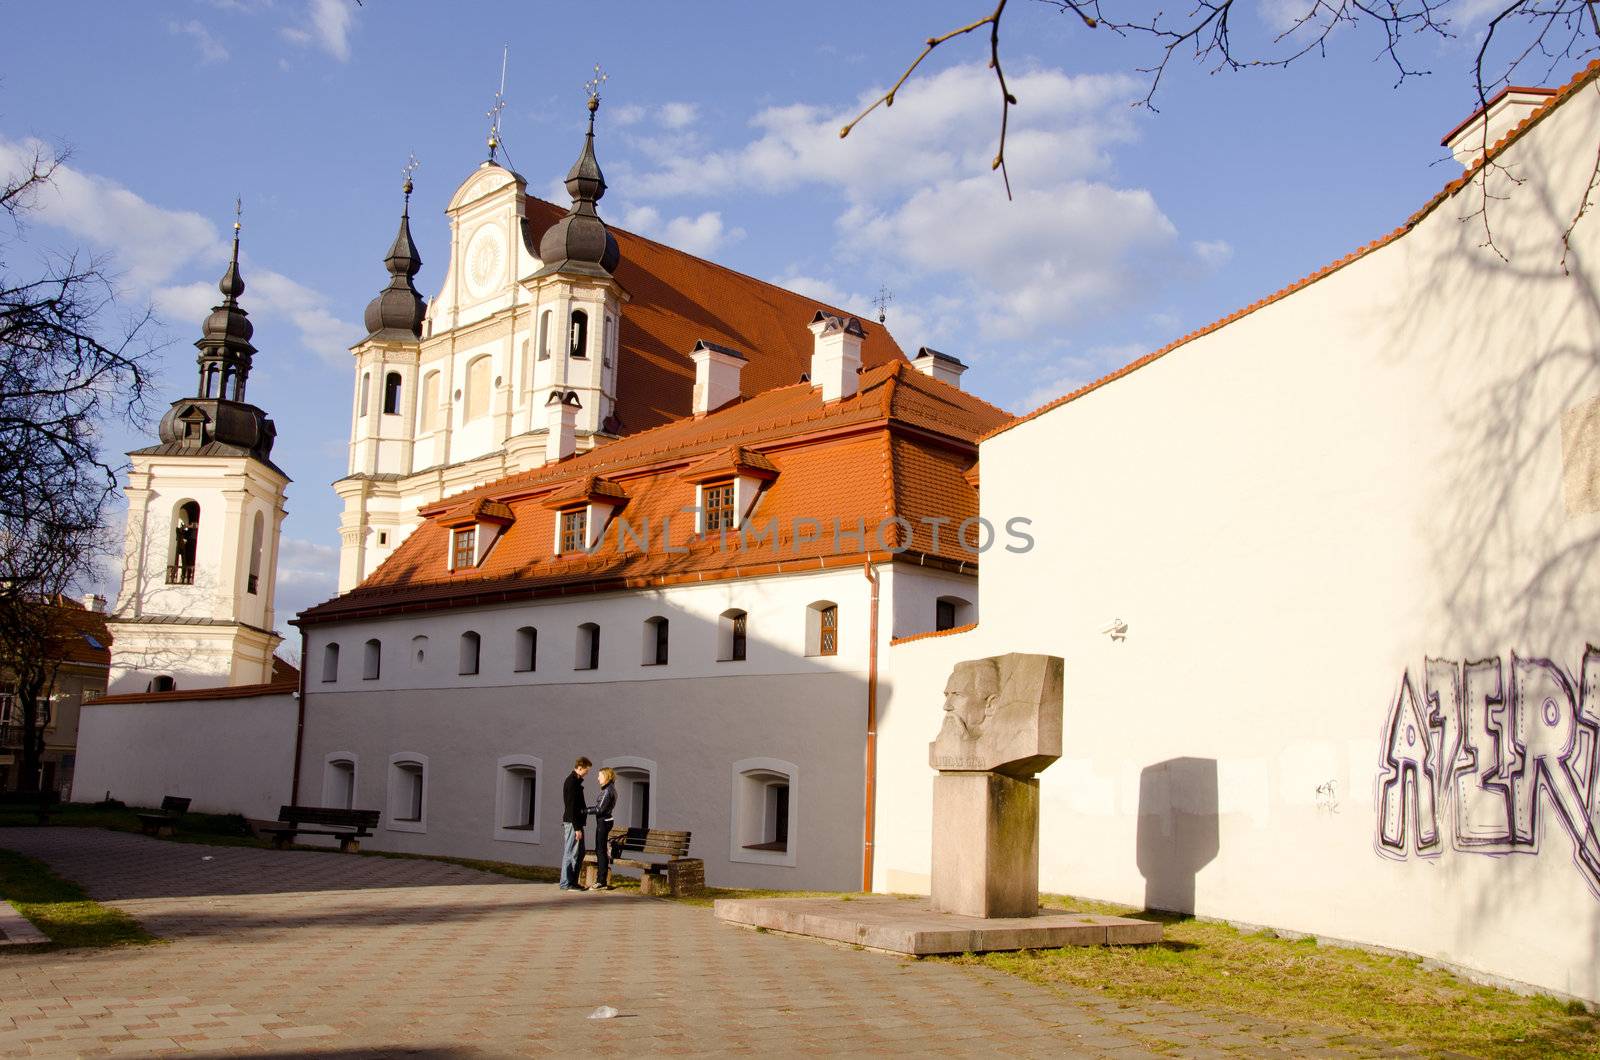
{"x":1129,"y":228}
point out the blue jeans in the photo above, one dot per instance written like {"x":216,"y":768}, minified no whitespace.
{"x":571,"y":853}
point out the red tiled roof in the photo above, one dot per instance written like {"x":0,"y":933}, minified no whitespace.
{"x":1559,"y":96}
{"x":900,"y":446}
{"x":677,"y":299}
{"x":734,"y":460}
{"x":482,"y":510}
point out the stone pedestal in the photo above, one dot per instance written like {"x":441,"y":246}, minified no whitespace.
{"x":985,"y":845}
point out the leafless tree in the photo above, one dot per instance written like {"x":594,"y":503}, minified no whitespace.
{"x":69,"y":362}
{"x":1526,"y":41}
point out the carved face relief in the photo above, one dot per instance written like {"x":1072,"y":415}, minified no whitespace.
{"x":486,"y":257}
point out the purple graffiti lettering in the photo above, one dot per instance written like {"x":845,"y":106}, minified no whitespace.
{"x":1406,"y":788}
{"x":1491,"y":756}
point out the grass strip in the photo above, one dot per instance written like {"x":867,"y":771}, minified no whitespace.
{"x":61,"y":910}
{"x":1210,"y":966}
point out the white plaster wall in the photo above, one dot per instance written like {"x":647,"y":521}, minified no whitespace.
{"x":229,"y":756}
{"x":1291,"y":514}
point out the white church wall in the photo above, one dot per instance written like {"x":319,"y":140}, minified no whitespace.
{"x":228,"y":755}
{"x":1298,"y":516}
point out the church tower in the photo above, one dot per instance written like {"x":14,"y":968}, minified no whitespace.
{"x":579,"y":306}
{"x":205,"y":507}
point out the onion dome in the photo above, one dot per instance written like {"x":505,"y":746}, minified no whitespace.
{"x":398,"y":311}
{"x":580,"y":241}
{"x":229,"y":325}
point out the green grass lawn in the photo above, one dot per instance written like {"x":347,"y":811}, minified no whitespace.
{"x":1211,"y":966}
{"x":61,"y":910}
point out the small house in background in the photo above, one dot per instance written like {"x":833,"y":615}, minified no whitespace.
{"x":80,"y":678}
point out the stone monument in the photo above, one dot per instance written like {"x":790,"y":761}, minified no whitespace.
{"x":1002,"y":725}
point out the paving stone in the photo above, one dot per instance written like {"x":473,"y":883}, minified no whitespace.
{"x":287,"y":951}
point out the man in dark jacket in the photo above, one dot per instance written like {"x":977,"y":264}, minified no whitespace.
{"x":574,"y":812}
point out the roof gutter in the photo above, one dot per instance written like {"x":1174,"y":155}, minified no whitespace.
{"x":869,"y":815}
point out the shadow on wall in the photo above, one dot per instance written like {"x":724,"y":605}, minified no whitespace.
{"x":1177,"y":829}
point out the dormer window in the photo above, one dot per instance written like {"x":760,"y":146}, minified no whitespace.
{"x":583,"y":510}
{"x":574,"y":530}
{"x":727,"y":486}
{"x":474,"y":528}
{"x":718,"y":508}
{"x":464,"y":548}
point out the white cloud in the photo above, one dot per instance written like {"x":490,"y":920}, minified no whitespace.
{"x":327,"y":26}
{"x":158,"y":252}
{"x":1214,"y":253}
{"x":700,"y":234}
{"x":678,"y":115}
{"x":1063,"y":374}
{"x":941,"y":127}
{"x":625,"y":114}
{"x":308,"y":573}
{"x":211,"y":49}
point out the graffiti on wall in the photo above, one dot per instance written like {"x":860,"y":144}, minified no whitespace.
{"x":1493,"y":757}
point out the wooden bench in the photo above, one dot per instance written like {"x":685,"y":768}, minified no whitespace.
{"x":164,"y":822}
{"x":662,"y":860}
{"x":42,"y":802}
{"x":347,"y":826}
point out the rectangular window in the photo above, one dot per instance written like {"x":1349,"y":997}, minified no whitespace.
{"x":462,"y":544}
{"x":945,"y":615}
{"x":717,"y":501}
{"x":574,"y":530}
{"x":661,"y":642}
{"x":737,"y":653}
{"x":828,"y":643}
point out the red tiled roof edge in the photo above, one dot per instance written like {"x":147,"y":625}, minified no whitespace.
{"x":1566,"y":92}
{"x":272,"y":688}
{"x":968,"y":628}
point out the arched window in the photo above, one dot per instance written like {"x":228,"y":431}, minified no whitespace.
{"x":822,"y":628}
{"x":588,"y":655}
{"x":330,"y":662}
{"x":765,"y":805}
{"x":655,"y":641}
{"x":579,"y":344}
{"x":428,"y":414}
{"x":391,"y":394}
{"x":544,"y":334}
{"x":732,"y":629}
{"x":517,"y":799}
{"x":258,"y":527}
{"x":635,"y":780}
{"x":371,"y":660}
{"x":161,"y":683}
{"x":477,"y":403}
{"x":366,"y":385}
{"x":339,"y":780}
{"x":950,"y":612}
{"x":470,"y":643}
{"x":185,"y":541}
{"x":408,"y":792}
{"x":527,"y":649}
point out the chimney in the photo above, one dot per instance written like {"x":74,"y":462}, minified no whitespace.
{"x":716,"y":375}
{"x":835,"y":355}
{"x":94,"y":602}
{"x":1508,"y":107}
{"x":561,"y":417}
{"x":940,"y":366}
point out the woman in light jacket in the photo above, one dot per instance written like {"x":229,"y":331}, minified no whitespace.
{"x":603,"y":807}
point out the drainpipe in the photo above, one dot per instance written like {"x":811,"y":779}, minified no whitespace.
{"x":869,"y":824}
{"x":300,"y":723}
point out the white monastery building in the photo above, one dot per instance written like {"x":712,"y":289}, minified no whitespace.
{"x":1323,"y":574}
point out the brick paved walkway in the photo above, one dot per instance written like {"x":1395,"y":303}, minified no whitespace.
{"x":296,"y":952}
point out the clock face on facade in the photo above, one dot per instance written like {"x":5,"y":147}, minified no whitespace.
{"x":486,"y":258}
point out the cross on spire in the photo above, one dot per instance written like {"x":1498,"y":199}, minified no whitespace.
{"x":238,"y":213}
{"x":406,"y":170}
{"x":882,"y":300}
{"x":499,"y":105}
{"x":592,"y":88}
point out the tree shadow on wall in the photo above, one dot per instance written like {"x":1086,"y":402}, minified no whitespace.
{"x":1178,"y":834}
